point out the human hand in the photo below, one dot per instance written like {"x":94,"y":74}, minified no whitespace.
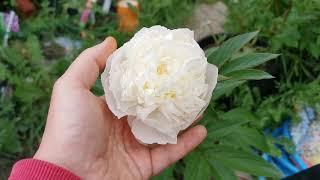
{"x":83,"y":136}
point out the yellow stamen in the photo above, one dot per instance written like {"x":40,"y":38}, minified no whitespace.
{"x":170,"y":95}
{"x":162,"y":69}
{"x":146,"y":85}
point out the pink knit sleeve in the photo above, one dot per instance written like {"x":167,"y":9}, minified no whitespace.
{"x":39,"y":170}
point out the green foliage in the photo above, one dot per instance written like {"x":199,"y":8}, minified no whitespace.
{"x":246,"y":61}
{"x":226,"y":87}
{"x":249,"y":74}
{"x":271,"y":110}
{"x":229,"y":123}
{"x":289,"y":27}
{"x":241,"y":160}
{"x":164,"y":12}
{"x":226,"y":50}
{"x":197,"y":167}
{"x":223,"y":57}
{"x":25,"y":87}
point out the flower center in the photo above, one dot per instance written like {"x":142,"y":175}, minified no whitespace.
{"x":146,"y":85}
{"x":162,"y":69}
{"x":170,"y":95}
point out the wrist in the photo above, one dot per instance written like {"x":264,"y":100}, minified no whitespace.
{"x":70,"y":163}
{"x":38,"y":169}
{"x":55,"y":159}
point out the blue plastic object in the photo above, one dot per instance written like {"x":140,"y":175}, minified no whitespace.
{"x":288,"y":164}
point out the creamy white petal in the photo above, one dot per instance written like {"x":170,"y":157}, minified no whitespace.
{"x":150,"y":135}
{"x":161,"y":80}
{"x":109,"y":96}
{"x":211,"y":79}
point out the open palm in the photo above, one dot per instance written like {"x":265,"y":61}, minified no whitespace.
{"x":83,"y":136}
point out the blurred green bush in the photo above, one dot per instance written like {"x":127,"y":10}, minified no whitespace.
{"x":289,"y":27}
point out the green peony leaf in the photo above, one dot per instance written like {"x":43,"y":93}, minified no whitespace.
{"x":228,"y":48}
{"x":224,"y":87}
{"x":221,"y":172}
{"x":239,"y":113}
{"x":246,"y":61}
{"x":222,"y":78}
{"x":242,"y":161}
{"x":197,"y":167}
{"x":209,"y":51}
{"x":249,"y":74}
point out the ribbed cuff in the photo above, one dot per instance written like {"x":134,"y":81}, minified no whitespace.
{"x":39,"y":170}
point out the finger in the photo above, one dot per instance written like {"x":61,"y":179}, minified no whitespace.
{"x":164,"y":156}
{"x":103,"y":98}
{"x":84,"y":71}
{"x":192,"y":125}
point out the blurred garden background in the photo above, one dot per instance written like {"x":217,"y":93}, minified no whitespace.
{"x":245,"y":117}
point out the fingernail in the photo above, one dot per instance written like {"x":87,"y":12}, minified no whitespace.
{"x":107,"y":38}
{"x":111,"y":41}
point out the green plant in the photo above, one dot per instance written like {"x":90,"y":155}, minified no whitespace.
{"x":272,"y":110}
{"x":164,"y":12}
{"x":25,"y":84}
{"x":289,"y":27}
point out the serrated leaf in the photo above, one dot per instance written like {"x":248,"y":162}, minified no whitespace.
{"x":228,"y":48}
{"x":224,"y":87}
{"x":249,"y":74}
{"x":242,"y":161}
{"x":246,"y":61}
{"x":197,"y":167}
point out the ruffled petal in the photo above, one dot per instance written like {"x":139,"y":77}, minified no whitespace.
{"x":149,"y":135}
{"x":105,"y":79}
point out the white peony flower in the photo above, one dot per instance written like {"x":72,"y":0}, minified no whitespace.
{"x":161,"y":80}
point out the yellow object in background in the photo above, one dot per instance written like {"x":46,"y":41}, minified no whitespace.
{"x":314,"y":160}
{"x":128,"y":19}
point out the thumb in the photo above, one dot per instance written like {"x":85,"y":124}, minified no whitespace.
{"x":84,"y":71}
